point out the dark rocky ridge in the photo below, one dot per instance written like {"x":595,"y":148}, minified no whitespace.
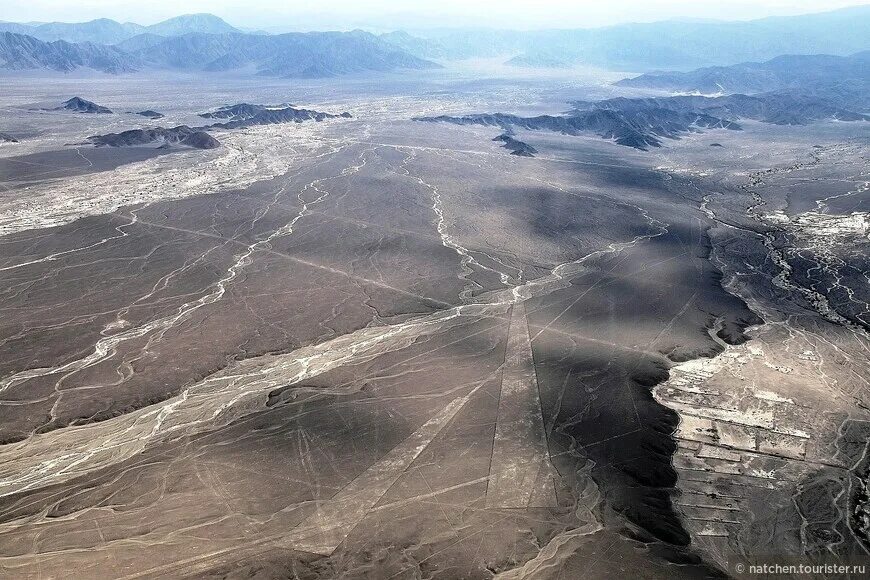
{"x":236,"y":112}
{"x":779,"y":107}
{"x":248,"y":115}
{"x":643,"y":123}
{"x":80,"y":105}
{"x":182,"y":135}
{"x":239,"y":116}
{"x":639,"y":129}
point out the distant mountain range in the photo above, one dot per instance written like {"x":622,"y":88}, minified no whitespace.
{"x":22,"y":52}
{"x":205,"y":42}
{"x":106,"y":31}
{"x":195,"y":42}
{"x":315,"y":54}
{"x":659,"y":45}
{"x":843,"y":79}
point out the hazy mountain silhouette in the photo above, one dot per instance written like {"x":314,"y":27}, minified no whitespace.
{"x":657,"y":45}
{"x":314,"y":54}
{"x":22,"y":52}
{"x":106,"y":31}
{"x":845,"y":80}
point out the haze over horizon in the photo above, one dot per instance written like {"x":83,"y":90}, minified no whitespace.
{"x":303,"y":15}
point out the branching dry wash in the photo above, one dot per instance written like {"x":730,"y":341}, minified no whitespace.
{"x":365,"y":346}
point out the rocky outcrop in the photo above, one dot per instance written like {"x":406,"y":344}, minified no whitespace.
{"x":515,"y":146}
{"x":80,"y":105}
{"x":157,"y":136}
{"x":238,"y":117}
{"x":151,"y":114}
{"x":247,"y":115}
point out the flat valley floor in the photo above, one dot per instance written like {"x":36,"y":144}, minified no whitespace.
{"x":379,"y":348}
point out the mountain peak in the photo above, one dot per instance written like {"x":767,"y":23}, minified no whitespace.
{"x":187,"y":23}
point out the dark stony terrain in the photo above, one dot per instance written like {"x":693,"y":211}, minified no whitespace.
{"x":373,"y":347}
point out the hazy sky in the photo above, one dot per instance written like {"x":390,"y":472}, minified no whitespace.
{"x":388,"y":14}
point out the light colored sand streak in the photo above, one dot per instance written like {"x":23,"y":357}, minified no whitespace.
{"x":248,"y":156}
{"x":240,"y":390}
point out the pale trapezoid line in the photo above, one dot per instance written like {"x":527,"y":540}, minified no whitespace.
{"x":323,"y":531}
{"x":520,"y":472}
